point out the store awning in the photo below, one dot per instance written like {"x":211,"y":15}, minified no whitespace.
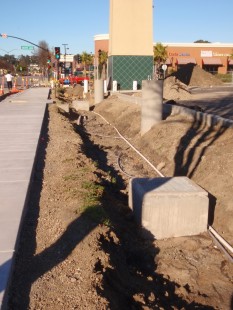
{"x":230,"y":62}
{"x":186,"y":60}
{"x":212,"y":61}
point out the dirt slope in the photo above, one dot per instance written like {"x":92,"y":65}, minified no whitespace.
{"x":193,"y":75}
{"x":74,"y":257}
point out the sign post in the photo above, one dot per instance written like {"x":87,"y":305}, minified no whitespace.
{"x":164,"y":67}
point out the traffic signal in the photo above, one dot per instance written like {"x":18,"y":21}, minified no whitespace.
{"x":57,"y":52}
{"x":48,"y":59}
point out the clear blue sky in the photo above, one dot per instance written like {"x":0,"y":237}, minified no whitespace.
{"x":75,"y":22}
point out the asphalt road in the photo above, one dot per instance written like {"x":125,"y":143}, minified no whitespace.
{"x":215,"y":100}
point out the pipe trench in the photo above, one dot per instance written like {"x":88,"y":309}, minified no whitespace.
{"x":222,"y":244}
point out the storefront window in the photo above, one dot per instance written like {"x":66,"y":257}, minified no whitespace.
{"x":230,"y":68}
{"x":211,"y":68}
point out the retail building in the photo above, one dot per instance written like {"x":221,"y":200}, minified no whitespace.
{"x":212,"y":57}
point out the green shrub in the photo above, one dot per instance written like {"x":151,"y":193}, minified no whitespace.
{"x":92,"y":206}
{"x":225,"y":78}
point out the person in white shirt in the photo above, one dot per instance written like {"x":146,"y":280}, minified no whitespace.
{"x":9,"y":79}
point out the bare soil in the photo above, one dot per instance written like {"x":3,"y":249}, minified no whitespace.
{"x":80,"y":247}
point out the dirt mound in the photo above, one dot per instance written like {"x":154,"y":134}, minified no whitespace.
{"x":187,"y":148}
{"x":173,"y":89}
{"x":74,"y":92}
{"x":177,"y":85}
{"x":193,"y":75}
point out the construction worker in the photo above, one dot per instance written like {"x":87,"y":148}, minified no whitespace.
{"x":9,"y":79}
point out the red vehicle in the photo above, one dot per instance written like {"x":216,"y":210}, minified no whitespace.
{"x":77,"y":78}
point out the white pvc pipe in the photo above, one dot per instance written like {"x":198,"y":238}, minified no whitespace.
{"x":221,"y":247}
{"x":220,"y":239}
{"x":152,"y":166}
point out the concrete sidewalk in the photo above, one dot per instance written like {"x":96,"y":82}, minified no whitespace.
{"x":21,"y":119}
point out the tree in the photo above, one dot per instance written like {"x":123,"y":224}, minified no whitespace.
{"x":43,"y":55}
{"x":103,"y":59}
{"x":231,"y":56}
{"x":202,"y":41}
{"x":24,"y":63}
{"x":160,"y":54}
{"x":8,"y":62}
{"x":87,"y":60}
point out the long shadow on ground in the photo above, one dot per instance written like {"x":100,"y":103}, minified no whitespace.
{"x":129,"y":281}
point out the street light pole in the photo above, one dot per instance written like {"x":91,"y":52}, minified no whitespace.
{"x":65,"y":57}
{"x":5,"y":36}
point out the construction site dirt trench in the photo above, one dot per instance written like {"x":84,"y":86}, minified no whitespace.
{"x":80,"y":247}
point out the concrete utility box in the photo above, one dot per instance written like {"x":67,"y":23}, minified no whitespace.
{"x":169,"y":207}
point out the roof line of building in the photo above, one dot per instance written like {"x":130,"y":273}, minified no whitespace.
{"x":214,"y":44}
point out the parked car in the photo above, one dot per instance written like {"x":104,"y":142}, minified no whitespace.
{"x":74,"y":79}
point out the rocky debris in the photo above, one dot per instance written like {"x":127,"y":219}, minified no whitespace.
{"x":75,"y":92}
{"x":173,"y":89}
{"x":177,"y":85}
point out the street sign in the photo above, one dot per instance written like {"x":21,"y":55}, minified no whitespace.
{"x":27,"y":48}
{"x":164,"y":67}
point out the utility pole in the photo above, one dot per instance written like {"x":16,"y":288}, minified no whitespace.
{"x":5,"y":36}
{"x":65,"y":48}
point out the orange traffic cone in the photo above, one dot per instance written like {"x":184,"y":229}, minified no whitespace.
{"x":14,"y":89}
{"x":1,"y":91}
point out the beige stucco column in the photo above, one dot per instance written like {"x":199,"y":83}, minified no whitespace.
{"x":131,"y":27}
{"x":130,"y":41}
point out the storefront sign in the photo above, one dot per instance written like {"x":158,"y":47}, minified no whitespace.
{"x":221,"y":55}
{"x":179,"y":54}
{"x":206,"y":54}
{"x":213,"y":54}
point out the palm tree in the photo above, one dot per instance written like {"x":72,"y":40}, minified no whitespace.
{"x":160,"y":54}
{"x":86,"y":60}
{"x":103,"y":59}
